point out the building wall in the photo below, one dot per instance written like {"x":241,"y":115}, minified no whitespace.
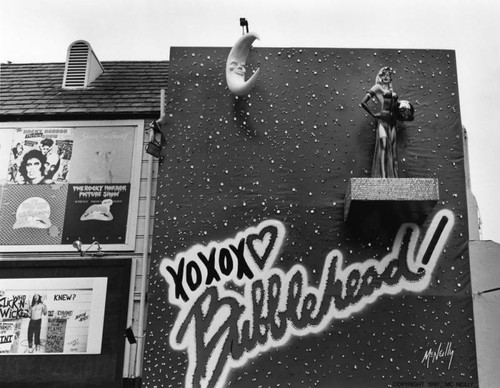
{"x":250,"y":237}
{"x":485,"y":272}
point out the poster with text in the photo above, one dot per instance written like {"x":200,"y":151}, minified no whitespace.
{"x":6,"y":155}
{"x":97,"y":212}
{"x":40,"y":155}
{"x":52,"y":316}
{"x":256,"y":278}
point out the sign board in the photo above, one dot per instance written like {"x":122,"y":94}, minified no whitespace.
{"x":64,"y":181}
{"x":256,"y":279}
{"x":52,"y":315}
{"x":62,"y":322}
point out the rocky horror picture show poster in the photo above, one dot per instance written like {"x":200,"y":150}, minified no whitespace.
{"x":96,"y":212}
{"x":51,"y":147}
{"x":51,"y":315}
{"x":32,"y":214}
{"x":255,"y":278}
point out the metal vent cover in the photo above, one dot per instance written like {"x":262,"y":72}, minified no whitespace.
{"x":82,"y":66}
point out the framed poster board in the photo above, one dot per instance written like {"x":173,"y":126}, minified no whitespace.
{"x":79,"y":341}
{"x":47,"y":316}
{"x":69,"y":180}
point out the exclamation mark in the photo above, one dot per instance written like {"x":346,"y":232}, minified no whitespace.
{"x":434,"y":240}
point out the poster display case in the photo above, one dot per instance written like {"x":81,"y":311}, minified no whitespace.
{"x":62,"y":322}
{"x":69,"y":180}
{"x":51,"y":315}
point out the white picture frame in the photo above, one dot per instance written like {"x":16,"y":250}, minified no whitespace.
{"x":77,"y":145}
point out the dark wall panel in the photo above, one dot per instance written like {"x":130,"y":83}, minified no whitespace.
{"x":270,"y":171}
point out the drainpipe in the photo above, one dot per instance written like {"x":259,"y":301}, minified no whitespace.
{"x":130,"y":313}
{"x":145,"y":254}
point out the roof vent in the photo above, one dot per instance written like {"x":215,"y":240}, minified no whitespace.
{"x":82,"y":66}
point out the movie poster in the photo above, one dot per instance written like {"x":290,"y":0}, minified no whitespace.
{"x":32,"y":213}
{"x":40,"y":155}
{"x":97,"y":212}
{"x":103,"y":155}
{"x":52,"y":315}
{"x":5,"y":155}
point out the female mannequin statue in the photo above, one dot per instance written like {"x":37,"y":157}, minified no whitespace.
{"x":385,"y":163}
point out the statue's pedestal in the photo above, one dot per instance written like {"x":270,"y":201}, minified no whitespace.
{"x":389,"y":201}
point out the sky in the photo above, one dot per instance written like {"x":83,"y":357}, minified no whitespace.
{"x":34,"y":31}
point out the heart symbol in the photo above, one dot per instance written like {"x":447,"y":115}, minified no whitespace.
{"x":261,"y":245}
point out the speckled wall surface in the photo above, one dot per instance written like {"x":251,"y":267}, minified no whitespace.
{"x":282,"y":156}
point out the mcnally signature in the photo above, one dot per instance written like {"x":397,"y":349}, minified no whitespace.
{"x":433,"y":354}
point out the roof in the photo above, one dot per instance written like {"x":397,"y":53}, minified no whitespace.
{"x":125,"y":88}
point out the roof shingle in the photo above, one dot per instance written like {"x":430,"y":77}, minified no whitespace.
{"x":125,"y":87}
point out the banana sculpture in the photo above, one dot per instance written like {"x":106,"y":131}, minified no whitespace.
{"x":235,"y":66}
